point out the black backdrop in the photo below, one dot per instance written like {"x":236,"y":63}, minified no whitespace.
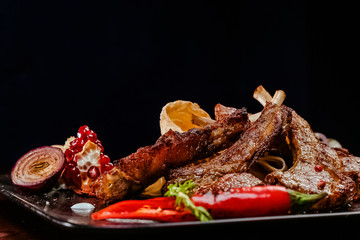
{"x":113,"y":66}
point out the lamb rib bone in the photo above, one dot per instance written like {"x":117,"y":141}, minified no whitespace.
{"x":263,"y":96}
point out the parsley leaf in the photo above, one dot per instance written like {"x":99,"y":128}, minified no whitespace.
{"x":181,"y":191}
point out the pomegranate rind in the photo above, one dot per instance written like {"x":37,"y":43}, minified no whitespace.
{"x":39,"y":169}
{"x":180,"y":116}
{"x":66,"y":144}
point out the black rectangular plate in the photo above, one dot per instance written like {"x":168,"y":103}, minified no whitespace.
{"x":55,"y":206}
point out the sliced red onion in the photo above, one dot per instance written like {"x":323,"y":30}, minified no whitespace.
{"x":39,"y":169}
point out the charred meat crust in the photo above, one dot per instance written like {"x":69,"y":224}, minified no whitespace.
{"x":112,"y":185}
{"x":222,"y":112}
{"x":175,"y":149}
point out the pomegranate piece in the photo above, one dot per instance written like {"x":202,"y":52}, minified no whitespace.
{"x":104,"y":159}
{"x":39,"y":169}
{"x":85,"y":161}
{"x":93,"y":172}
{"x":107,"y":167}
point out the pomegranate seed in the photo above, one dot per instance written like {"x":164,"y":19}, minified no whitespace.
{"x":104,"y":159}
{"x":97,"y":142}
{"x":74,"y":143}
{"x":80,"y":135}
{"x":77,"y":179}
{"x":83,"y":130}
{"x":72,"y":174}
{"x":71,"y":164}
{"x":69,"y":153}
{"x":321,"y":184}
{"x":92,"y":136}
{"x":67,"y":176}
{"x":81,"y":143}
{"x":73,"y":170}
{"x":93,"y":172}
{"x":107,"y":167}
{"x":318,"y":168}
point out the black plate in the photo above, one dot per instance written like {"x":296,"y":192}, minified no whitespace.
{"x":55,"y":206}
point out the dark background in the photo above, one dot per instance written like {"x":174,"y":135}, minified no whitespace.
{"x":114,"y":65}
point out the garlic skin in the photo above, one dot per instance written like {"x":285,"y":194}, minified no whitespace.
{"x":83,"y":209}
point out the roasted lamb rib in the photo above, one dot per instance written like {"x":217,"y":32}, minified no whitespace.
{"x":316,"y":167}
{"x":265,"y":132}
{"x":173,"y":149}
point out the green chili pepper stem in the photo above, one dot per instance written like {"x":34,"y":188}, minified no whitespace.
{"x":302,"y":201}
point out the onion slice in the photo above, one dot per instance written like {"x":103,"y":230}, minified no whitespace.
{"x":278,"y":163}
{"x":39,"y":169}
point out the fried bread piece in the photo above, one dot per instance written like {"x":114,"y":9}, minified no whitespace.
{"x":173,"y":149}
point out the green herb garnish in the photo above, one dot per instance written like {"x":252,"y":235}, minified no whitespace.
{"x":181,"y":191}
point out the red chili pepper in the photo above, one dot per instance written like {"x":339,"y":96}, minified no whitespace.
{"x":254,"y":201}
{"x":238,"y":202}
{"x":158,"y":209}
{"x":245,"y":202}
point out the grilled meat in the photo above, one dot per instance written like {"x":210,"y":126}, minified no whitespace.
{"x":231,"y":180}
{"x":316,"y":168}
{"x":350,"y":165}
{"x":222,"y":112}
{"x":173,"y":149}
{"x":254,"y":141}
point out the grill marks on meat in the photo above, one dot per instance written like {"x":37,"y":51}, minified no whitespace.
{"x":307,"y":153}
{"x":171,"y":150}
{"x":254,"y":141}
